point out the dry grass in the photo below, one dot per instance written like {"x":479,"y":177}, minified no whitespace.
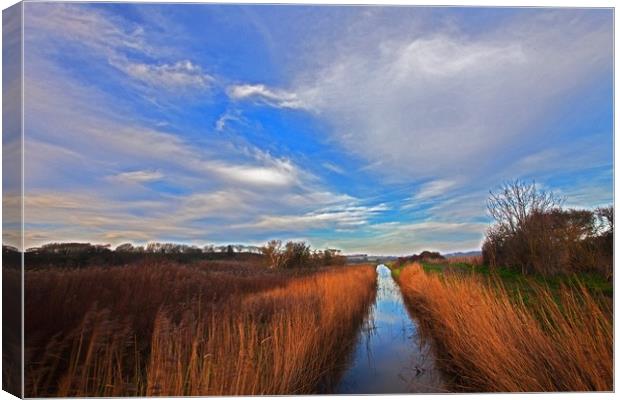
{"x":490,"y":342}
{"x":189,"y":330}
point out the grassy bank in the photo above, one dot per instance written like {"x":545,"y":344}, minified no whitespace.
{"x":168,"y":329}
{"x":523,"y":287}
{"x":489,"y":340}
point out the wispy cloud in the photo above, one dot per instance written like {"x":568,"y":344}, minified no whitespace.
{"x":180,"y":75}
{"x":333,"y":167}
{"x":344,"y":216}
{"x":433,"y":189}
{"x":122,"y":44}
{"x":259,"y":92}
{"x":137,"y":176}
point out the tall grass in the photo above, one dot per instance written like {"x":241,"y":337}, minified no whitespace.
{"x":181,"y":330}
{"x":489,"y":341}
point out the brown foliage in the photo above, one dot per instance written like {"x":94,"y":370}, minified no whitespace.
{"x":491,"y":342}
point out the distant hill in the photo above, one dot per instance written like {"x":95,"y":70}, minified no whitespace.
{"x":463,"y":254}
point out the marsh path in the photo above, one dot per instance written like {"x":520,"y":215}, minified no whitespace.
{"x":390,"y":355}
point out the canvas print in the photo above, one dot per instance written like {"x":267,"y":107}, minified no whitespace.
{"x":250,"y":199}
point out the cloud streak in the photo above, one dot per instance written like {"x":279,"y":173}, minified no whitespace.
{"x":273,"y":97}
{"x":180,"y":75}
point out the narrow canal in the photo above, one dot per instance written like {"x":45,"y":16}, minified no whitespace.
{"x":390,"y":356}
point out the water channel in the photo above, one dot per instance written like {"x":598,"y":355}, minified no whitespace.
{"x":390,"y":355}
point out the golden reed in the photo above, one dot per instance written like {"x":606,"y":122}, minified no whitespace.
{"x":178,"y":330}
{"x":489,"y":341}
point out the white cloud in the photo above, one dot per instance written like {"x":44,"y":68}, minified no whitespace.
{"x":337,"y":217}
{"x":223,"y":122}
{"x":180,"y":75}
{"x":282,"y":173}
{"x":137,"y":176}
{"x":273,"y":97}
{"x":433,"y":189}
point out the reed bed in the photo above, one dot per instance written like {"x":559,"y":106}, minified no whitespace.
{"x":491,"y":341}
{"x":189,"y":330}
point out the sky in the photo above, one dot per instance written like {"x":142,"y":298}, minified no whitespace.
{"x":374,"y":130}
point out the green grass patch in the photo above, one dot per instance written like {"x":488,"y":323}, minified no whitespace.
{"x":523,"y":285}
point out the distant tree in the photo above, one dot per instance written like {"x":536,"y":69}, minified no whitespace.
{"x":9,"y":249}
{"x":273,"y":253}
{"x":297,"y":254}
{"x":124,"y":248}
{"x":230,"y":251}
{"x":423,"y":256}
{"x":191,"y":249}
{"x":333,"y":257}
{"x":74,"y":248}
{"x":164,"y":248}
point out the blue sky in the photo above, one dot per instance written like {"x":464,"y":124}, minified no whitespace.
{"x":375,"y":130}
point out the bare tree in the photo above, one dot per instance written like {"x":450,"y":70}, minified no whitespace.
{"x":516,"y":201}
{"x":520,"y":235}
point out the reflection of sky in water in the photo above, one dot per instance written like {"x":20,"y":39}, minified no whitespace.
{"x":389,"y":356}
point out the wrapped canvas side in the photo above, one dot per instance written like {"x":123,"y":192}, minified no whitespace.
{"x":12,"y":200}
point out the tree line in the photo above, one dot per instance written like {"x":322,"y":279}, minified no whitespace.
{"x":152,"y":247}
{"x":299,"y":255}
{"x":274,"y":254}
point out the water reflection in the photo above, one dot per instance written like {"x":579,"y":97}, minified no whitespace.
{"x":390,"y":356}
